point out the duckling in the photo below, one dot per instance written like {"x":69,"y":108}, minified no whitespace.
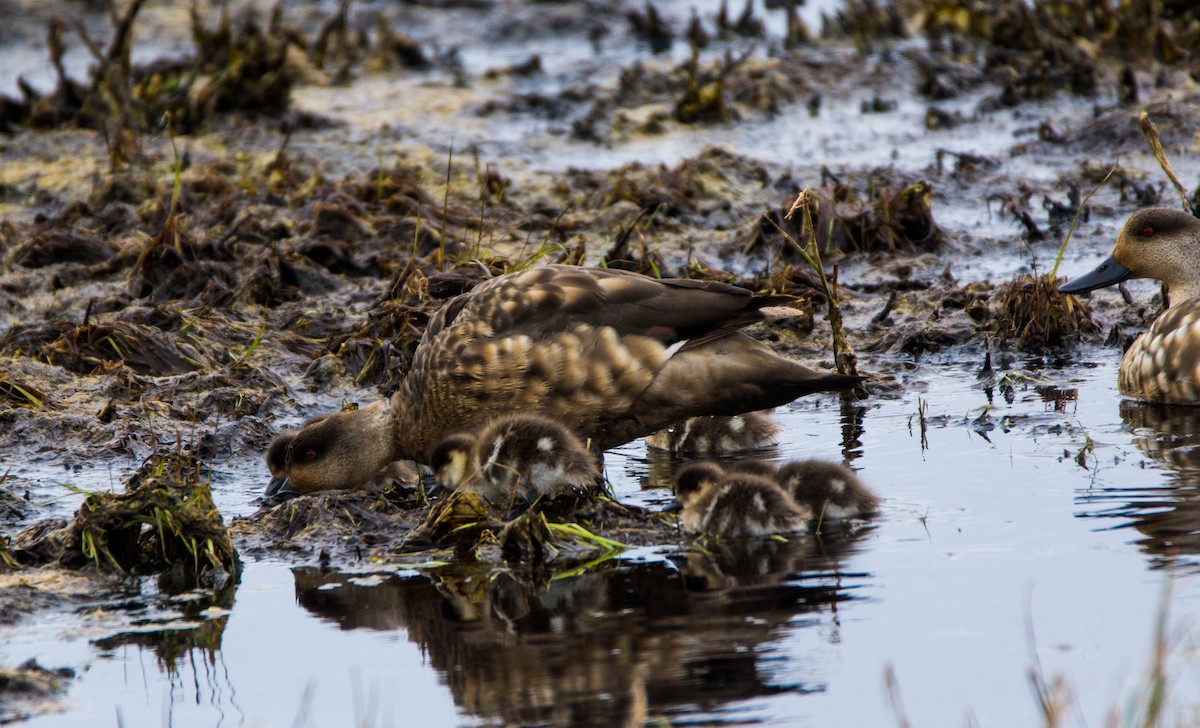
{"x":515,"y":458}
{"x":830,"y":490}
{"x":721,"y":503}
{"x":717,"y":435}
{"x":609,"y":354}
{"x":1164,"y":244}
{"x":752,"y":466}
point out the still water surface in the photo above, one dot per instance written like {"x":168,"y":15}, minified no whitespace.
{"x":995,"y":548}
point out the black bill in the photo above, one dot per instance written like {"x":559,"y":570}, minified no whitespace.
{"x":1105,"y":274}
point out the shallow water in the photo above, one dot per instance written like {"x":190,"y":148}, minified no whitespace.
{"x":995,"y":548}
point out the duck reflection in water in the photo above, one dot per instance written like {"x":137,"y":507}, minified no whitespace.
{"x":618,"y":644}
{"x":1167,"y":513}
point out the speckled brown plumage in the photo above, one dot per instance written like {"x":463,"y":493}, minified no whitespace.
{"x":735,"y":504}
{"x":609,"y":354}
{"x":717,"y":435}
{"x":515,"y":458}
{"x":1163,"y":364}
{"x":832,"y":491}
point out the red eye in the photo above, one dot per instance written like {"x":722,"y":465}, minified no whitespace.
{"x":310,"y":454}
{"x":1147,"y":232}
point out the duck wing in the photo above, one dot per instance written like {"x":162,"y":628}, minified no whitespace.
{"x":589,"y":347}
{"x":542,"y":301}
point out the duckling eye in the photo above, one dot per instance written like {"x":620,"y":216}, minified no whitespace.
{"x":1147,"y":232}
{"x":310,"y":454}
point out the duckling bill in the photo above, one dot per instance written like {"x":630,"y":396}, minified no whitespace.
{"x":1163,"y":364}
{"x":515,"y":459}
{"x":608,"y":354}
{"x":735,"y":504}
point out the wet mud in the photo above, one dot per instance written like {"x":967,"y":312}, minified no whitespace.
{"x":200,"y":251}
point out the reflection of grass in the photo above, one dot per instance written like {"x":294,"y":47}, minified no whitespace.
{"x":1148,"y":707}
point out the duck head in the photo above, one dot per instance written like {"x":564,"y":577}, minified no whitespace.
{"x":336,"y":452}
{"x":1159,"y":243}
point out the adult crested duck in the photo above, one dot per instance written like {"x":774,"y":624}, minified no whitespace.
{"x":717,"y":435}
{"x":832,"y":491}
{"x":515,"y":459}
{"x":734,"y":504}
{"x":399,"y":473}
{"x":1164,"y":244}
{"x":609,"y":354}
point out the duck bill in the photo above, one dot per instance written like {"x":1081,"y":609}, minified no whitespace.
{"x":673,"y":507}
{"x":279,"y":488}
{"x":1105,"y":274}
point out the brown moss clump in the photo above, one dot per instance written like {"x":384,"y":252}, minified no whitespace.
{"x":236,"y":67}
{"x":563,"y":527}
{"x":1035,"y":49}
{"x":887,"y":216}
{"x":354,"y":520}
{"x":1036,"y":316}
{"x":868,"y":20}
{"x":164,"y":521}
{"x":62,"y":245}
{"x":144,"y":349}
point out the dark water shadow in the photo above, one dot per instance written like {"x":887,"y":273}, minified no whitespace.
{"x":1166,"y":514}
{"x":618,"y":644}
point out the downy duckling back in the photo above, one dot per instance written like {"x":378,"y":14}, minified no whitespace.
{"x":733,"y":504}
{"x":717,"y":435}
{"x":832,"y":491}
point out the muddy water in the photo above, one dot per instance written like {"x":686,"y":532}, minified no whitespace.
{"x":995,"y":549}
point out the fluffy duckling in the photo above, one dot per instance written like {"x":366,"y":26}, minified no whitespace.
{"x":515,"y":458}
{"x":832,"y":491}
{"x":716,"y":502}
{"x":1164,"y":244}
{"x":717,"y":435}
{"x":609,"y":354}
{"x":752,"y":466}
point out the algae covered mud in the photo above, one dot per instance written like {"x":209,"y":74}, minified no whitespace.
{"x":220,"y":221}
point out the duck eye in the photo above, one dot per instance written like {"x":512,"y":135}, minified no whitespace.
{"x":1147,"y":232}
{"x":310,"y":454}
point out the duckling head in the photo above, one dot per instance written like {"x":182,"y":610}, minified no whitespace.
{"x":694,"y":480}
{"x":340,"y":451}
{"x":450,"y":459}
{"x":1159,"y":243}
